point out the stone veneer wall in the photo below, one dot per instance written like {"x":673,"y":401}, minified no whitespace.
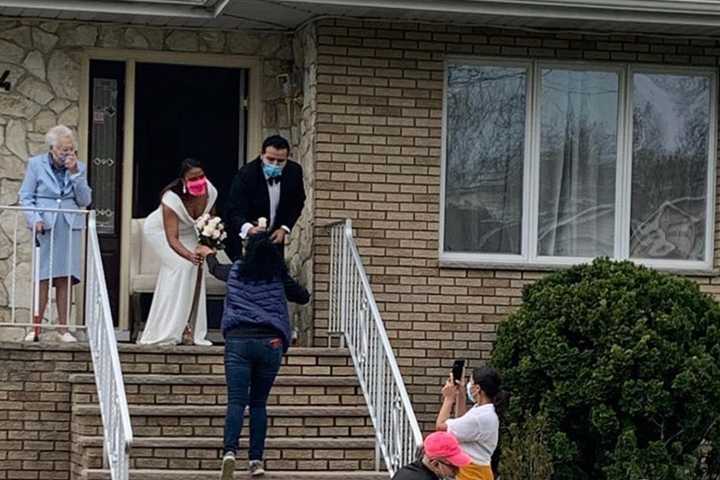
{"x":301,"y":247}
{"x":43,"y":58}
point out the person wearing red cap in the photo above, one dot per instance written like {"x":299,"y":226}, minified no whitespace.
{"x":442,"y":459}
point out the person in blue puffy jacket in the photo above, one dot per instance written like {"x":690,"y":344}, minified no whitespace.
{"x":257,"y":331}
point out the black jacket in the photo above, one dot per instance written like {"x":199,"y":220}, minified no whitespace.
{"x":249,"y":200}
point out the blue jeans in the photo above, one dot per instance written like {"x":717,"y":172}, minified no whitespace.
{"x":251,"y":365}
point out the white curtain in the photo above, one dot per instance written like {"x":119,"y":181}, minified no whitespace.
{"x":578,"y":156}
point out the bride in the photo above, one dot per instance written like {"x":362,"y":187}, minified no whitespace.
{"x":170,"y":230}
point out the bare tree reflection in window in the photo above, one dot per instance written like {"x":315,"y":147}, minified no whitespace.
{"x":670,"y":166}
{"x":486,"y":107}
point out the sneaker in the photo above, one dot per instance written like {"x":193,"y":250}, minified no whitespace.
{"x":66,"y":337}
{"x":256,"y":468}
{"x":203,"y":343}
{"x":30,"y":337}
{"x":228,"y":466}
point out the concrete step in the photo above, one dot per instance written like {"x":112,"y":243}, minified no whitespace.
{"x":208,"y":421}
{"x":203,"y":453}
{"x":219,"y":411}
{"x":128,"y":348}
{"x":191,"y":360}
{"x":214,"y":475}
{"x":150,"y":379}
{"x":211,"y":390}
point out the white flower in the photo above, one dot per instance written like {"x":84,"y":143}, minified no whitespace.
{"x":207,"y":231}
{"x":216,"y":234}
{"x":214,"y":221}
{"x":223,"y":236}
{"x":262,"y":222}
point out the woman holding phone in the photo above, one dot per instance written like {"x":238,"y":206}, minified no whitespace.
{"x":476,"y":429}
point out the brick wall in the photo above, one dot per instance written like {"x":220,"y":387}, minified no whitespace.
{"x":380,"y":90}
{"x":35,"y":410}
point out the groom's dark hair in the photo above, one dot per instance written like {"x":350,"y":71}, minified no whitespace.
{"x":262,"y":259}
{"x":277,"y":142}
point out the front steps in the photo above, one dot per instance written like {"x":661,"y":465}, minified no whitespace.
{"x":318,"y":424}
{"x":206,"y":475}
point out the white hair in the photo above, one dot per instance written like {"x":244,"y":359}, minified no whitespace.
{"x":57,"y":133}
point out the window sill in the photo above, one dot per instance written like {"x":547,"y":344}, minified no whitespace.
{"x":547,"y":268}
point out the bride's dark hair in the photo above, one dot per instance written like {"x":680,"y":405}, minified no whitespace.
{"x":262,"y":259}
{"x":177,"y":184}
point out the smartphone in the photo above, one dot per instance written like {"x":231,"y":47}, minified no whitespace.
{"x":457,"y":370}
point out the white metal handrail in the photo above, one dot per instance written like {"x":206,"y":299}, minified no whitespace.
{"x":19,"y":218}
{"x":355,"y":317}
{"x":118,"y":436}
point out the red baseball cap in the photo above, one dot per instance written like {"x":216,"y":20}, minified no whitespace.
{"x":444,"y":445}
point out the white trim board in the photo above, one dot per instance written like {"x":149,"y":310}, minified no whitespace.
{"x":198,"y":9}
{"x":677,"y":12}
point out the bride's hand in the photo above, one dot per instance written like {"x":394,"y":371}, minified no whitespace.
{"x":195,"y":258}
{"x":204,"y":251}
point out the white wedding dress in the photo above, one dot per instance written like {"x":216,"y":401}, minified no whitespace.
{"x":173,"y":297}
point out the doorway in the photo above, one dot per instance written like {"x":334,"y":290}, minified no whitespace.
{"x":183,"y":112}
{"x":186,"y":111}
{"x":177,"y":106}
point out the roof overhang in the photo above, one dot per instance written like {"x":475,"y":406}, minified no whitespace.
{"x":673,"y":12}
{"x":653,"y":17}
{"x":170,"y":8}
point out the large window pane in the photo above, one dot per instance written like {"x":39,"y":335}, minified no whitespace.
{"x":486,"y":108}
{"x":669,"y":166}
{"x":578,"y":156}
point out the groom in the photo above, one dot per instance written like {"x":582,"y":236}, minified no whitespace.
{"x":270,"y":186}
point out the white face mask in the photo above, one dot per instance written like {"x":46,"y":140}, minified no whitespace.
{"x":468,"y":387}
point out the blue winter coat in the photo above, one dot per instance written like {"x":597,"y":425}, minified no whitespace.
{"x":258,"y":303}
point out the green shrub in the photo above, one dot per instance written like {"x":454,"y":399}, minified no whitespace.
{"x":624,"y":364}
{"x":525,"y":455}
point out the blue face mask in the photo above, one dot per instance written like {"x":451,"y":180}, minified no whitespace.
{"x":271,"y":171}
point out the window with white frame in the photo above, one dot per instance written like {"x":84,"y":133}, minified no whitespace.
{"x":553,"y":163}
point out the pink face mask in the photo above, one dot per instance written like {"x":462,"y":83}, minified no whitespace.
{"x":197,"y":187}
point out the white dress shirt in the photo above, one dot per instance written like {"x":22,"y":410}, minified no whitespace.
{"x":274,"y":191}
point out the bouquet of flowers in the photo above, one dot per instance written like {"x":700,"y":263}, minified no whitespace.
{"x":211,"y":231}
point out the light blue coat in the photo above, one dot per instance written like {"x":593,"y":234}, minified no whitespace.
{"x":40,"y":189}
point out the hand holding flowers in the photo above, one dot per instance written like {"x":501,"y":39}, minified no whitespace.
{"x":211,"y":234}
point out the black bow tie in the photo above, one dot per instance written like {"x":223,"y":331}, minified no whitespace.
{"x":273,"y":180}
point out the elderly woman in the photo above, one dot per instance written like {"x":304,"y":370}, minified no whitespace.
{"x":57,"y":180}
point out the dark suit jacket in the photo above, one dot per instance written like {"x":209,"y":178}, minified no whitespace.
{"x":249,"y":200}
